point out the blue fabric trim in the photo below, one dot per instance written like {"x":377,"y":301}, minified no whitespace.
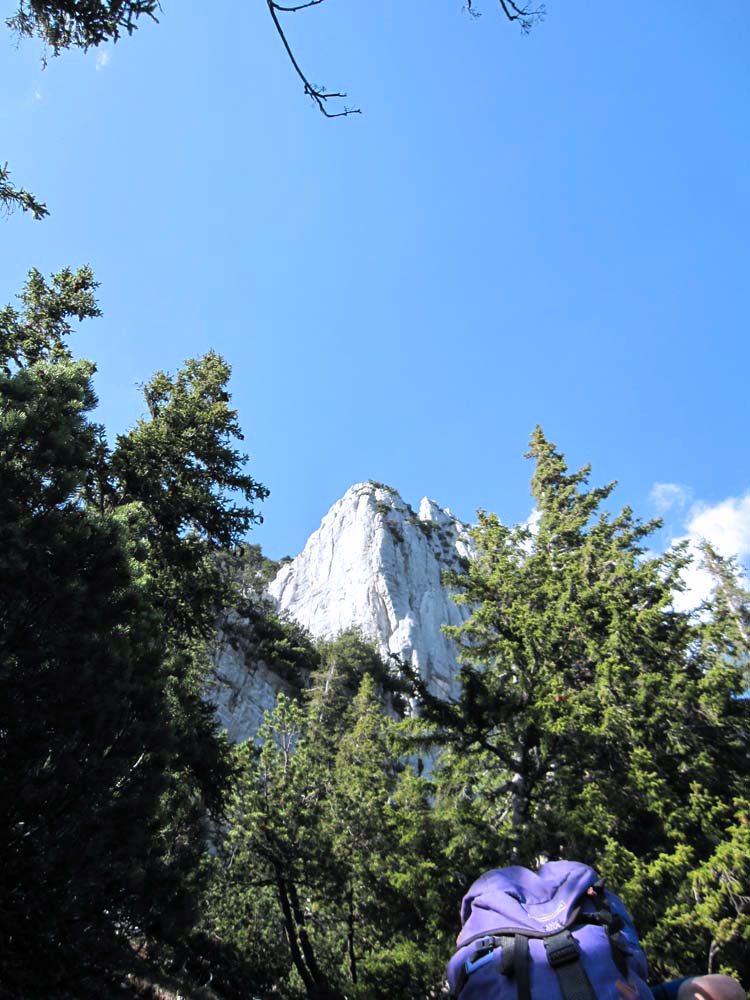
{"x":473,"y":966}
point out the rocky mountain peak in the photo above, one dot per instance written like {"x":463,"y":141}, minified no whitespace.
{"x":375,"y":564}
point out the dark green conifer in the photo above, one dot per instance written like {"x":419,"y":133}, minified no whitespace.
{"x":595,"y":721}
{"x":110,"y":594}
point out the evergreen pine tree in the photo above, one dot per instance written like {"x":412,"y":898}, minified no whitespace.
{"x":111,"y":591}
{"x":84,"y":722}
{"x":594,"y":721}
{"x":332,"y":847}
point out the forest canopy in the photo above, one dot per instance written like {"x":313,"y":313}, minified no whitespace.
{"x":323,"y":858}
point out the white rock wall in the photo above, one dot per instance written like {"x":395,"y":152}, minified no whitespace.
{"x":242,"y":692}
{"x":375,"y":564}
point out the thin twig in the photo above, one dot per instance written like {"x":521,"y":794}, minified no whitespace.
{"x":319,"y":96}
{"x":301,"y":6}
{"x":526,"y":16}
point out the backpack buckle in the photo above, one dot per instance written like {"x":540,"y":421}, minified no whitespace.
{"x":482,"y":954}
{"x":485,"y":944}
{"x":472,"y":964}
{"x":562,"y":949}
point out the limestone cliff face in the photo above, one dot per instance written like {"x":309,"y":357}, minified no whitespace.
{"x":242,"y":692}
{"x":375,"y":564}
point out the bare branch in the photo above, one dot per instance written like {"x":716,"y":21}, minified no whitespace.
{"x":300,"y":6}
{"x":526,"y":16}
{"x":316,"y":93}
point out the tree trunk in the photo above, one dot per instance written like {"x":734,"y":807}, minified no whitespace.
{"x":322,"y":989}
{"x":350,"y":936}
{"x":291,"y":935}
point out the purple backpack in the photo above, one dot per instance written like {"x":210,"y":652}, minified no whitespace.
{"x":555,"y":934}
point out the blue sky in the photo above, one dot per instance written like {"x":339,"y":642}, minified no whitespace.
{"x":516,"y":230}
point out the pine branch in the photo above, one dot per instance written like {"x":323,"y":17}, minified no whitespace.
{"x":12,"y":197}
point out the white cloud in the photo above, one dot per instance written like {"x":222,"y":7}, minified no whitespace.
{"x":38,"y":96}
{"x":103,"y":58}
{"x":667,"y":495}
{"x":726,"y":525}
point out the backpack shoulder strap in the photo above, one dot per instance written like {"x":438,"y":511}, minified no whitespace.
{"x":564,"y":956}
{"x":521,"y":967}
{"x":514,"y":961}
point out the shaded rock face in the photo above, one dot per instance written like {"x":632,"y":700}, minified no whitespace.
{"x":375,"y":565}
{"x":241,"y":692}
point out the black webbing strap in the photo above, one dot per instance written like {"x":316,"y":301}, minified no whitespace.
{"x":515,"y":962}
{"x":564,"y":955}
{"x":508,"y":944}
{"x":521,"y":967}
